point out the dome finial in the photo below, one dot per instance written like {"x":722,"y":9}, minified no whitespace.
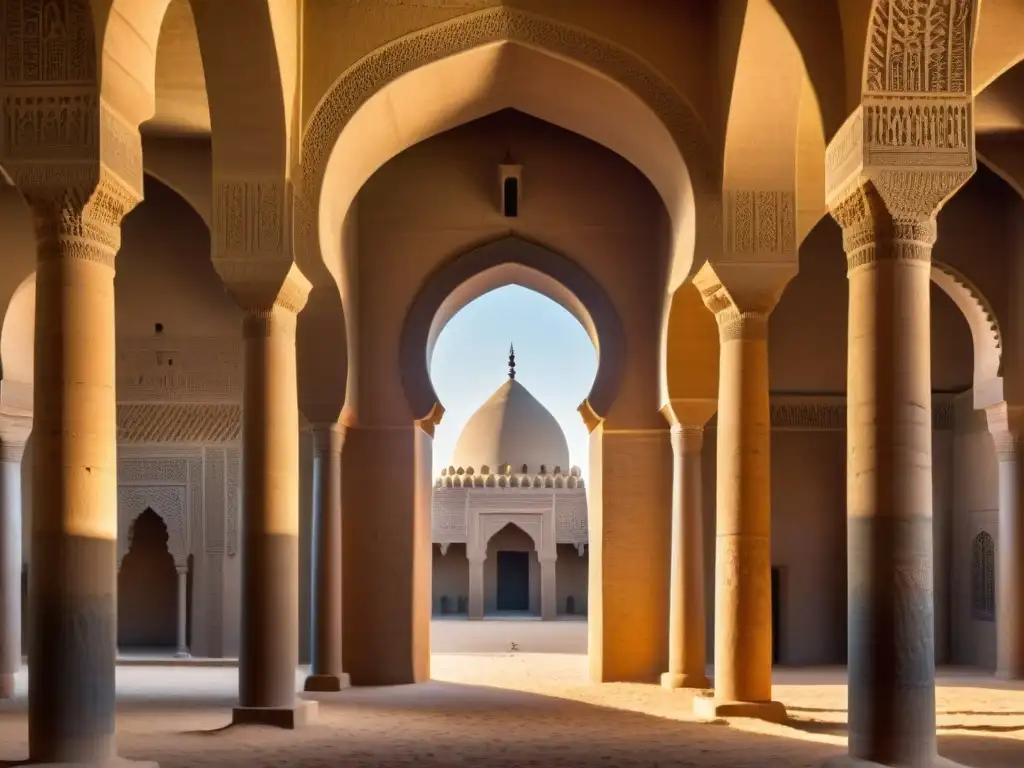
{"x":511,"y":361}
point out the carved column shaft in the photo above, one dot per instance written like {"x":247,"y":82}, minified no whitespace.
{"x":476,"y":587}
{"x":326,"y":670}
{"x":548,"y":588}
{"x":182,"y":650}
{"x":270,"y":530}
{"x":13,"y":434}
{"x":687,"y":654}
{"x":743,"y":616}
{"x":1006,"y":435}
{"x":74,"y":522}
{"x":889,"y":484}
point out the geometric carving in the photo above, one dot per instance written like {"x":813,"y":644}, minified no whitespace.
{"x":178,"y":423}
{"x":760,"y":222}
{"x":983,"y":579}
{"x":790,"y":412}
{"x":919,"y":47}
{"x":233,"y":497}
{"x":144,"y":471}
{"x":195,"y":503}
{"x":48,"y":42}
{"x":214,"y":497}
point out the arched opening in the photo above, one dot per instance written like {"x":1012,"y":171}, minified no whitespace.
{"x":511,"y":441}
{"x":511,"y":574}
{"x":147,"y":589}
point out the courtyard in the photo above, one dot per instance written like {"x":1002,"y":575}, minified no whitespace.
{"x":518,"y":709}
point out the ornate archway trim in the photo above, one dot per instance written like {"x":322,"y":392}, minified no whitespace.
{"x":420,"y":321}
{"x":980,"y":316}
{"x":387,"y":63}
{"x":686,"y":191}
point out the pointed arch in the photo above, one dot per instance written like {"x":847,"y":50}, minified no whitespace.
{"x":489,"y":266}
{"x":451,"y":73}
{"x":981,"y":319}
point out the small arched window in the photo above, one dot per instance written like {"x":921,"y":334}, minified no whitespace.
{"x":983,"y":578}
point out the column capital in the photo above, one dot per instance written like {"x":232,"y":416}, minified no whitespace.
{"x":81,"y":220}
{"x":686,"y":439}
{"x":895,"y":162}
{"x":328,"y":438}
{"x":741,"y":304}
{"x":265,"y":288}
{"x":1006,"y":425}
{"x":14,"y":432}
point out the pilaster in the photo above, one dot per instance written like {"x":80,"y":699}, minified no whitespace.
{"x":1006,"y":424}
{"x":687,"y":653}
{"x":743,"y":627}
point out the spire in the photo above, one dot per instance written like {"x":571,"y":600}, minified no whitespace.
{"x":511,"y":361}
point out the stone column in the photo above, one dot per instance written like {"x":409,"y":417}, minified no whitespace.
{"x":476,"y":586}
{"x":743,"y":614}
{"x":1005,"y":425}
{"x":891,"y":643}
{"x":687,"y":655}
{"x":269,"y":642}
{"x":548,"y":588}
{"x":326,"y":663}
{"x":182,"y":652}
{"x":14,"y":431}
{"x":73,"y":577}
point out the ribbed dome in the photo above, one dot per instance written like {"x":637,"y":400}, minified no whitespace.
{"x":512,"y":427}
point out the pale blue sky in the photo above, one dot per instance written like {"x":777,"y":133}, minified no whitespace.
{"x":554,"y":360}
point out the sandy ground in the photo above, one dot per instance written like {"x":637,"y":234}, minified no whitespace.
{"x":520,"y":709}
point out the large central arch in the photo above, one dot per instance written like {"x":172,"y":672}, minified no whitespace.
{"x":492,"y":265}
{"x":449,"y":74}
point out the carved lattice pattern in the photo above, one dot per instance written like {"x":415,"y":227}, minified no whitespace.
{"x":983,"y":578}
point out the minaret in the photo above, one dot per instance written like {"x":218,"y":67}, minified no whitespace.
{"x":511,"y":361}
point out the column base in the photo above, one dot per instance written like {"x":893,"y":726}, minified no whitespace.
{"x":115,"y":762}
{"x":709,"y":708}
{"x":845,"y":761}
{"x":7,"y":686}
{"x":299,"y":714}
{"x":326,"y":683}
{"x":674,"y":680}
{"x":183,"y":655}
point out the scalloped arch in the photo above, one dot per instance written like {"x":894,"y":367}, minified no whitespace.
{"x":560,"y":278}
{"x":981,"y":318}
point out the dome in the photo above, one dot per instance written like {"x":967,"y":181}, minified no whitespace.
{"x":512,"y":427}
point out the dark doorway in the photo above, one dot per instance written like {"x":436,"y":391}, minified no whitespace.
{"x":513,"y":581}
{"x":147,"y":588}
{"x":776,"y":614}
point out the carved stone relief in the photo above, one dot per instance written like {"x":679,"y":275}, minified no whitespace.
{"x":919,"y":47}
{"x":760,"y":222}
{"x":249,"y":216}
{"x":179,"y":370}
{"x":178,"y":423}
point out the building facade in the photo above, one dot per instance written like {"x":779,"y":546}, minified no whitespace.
{"x":793,"y":232}
{"x":510,"y":515}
